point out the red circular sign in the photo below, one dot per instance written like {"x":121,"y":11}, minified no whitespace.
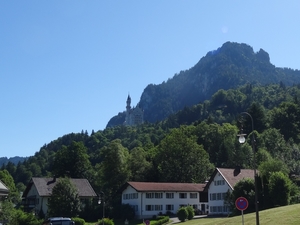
{"x":241,"y":203}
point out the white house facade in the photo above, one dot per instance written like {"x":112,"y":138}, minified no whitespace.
{"x":150,"y":199}
{"x":3,"y":190}
{"x":216,"y":194}
{"x":222,"y":181}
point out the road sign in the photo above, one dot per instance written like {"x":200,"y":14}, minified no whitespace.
{"x":241,"y":203}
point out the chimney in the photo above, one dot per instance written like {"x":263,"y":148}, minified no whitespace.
{"x":52,"y":181}
{"x":237,"y":171}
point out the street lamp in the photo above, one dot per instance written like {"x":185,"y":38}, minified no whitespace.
{"x":101,"y":199}
{"x":242,"y":140}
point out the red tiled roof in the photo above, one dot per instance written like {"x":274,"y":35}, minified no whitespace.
{"x":231,"y":176}
{"x":151,"y":186}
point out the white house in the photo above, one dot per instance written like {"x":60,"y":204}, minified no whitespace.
{"x":39,"y":190}
{"x":150,"y":199}
{"x":3,"y":190}
{"x":221,"y":181}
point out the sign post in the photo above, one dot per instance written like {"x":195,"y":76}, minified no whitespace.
{"x":241,"y":203}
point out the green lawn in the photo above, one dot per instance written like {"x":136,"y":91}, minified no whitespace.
{"x":287,"y":215}
{"x":279,"y":216}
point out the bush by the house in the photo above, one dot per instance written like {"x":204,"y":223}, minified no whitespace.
{"x":191,"y":212}
{"x":127,"y":212}
{"x":161,"y":220}
{"x":106,"y":221}
{"x":78,"y":221}
{"x":182,"y":214}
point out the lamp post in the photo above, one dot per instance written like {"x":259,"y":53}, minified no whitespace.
{"x":242,"y":140}
{"x":101,"y":199}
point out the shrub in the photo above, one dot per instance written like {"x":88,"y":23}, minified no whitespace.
{"x":161,"y":220}
{"x":106,"y":221}
{"x":191,"y":212}
{"x":182,"y":214}
{"x":127,"y":212}
{"x":78,"y":221}
{"x":20,"y":217}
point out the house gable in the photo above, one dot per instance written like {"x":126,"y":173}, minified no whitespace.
{"x":3,"y":189}
{"x":38,"y":191}
{"x":222,"y":181}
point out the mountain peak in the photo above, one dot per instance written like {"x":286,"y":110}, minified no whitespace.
{"x":231,"y":65}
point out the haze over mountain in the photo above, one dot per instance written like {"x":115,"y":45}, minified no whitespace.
{"x":231,"y":65}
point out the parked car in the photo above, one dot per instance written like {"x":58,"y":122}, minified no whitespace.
{"x":59,"y":221}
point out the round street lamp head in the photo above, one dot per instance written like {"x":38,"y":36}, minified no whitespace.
{"x":242,"y":138}
{"x":99,"y":201}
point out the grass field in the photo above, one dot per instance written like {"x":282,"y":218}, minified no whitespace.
{"x":287,"y":215}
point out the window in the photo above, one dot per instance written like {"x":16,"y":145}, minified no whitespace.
{"x":158,"y":195}
{"x":154,"y":195}
{"x":213,"y":209}
{"x":223,"y":195}
{"x":218,"y":196}
{"x":158,"y":207}
{"x":182,"y":195}
{"x":213,"y":196}
{"x":149,"y":195}
{"x":193,"y":195}
{"x":169,"y":195}
{"x":154,"y":207}
{"x":149,"y":207}
{"x":169,"y":207}
{"x":135,"y":207}
{"x":130,"y":196}
{"x":219,"y":182}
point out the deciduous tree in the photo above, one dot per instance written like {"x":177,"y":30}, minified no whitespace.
{"x":64,"y":200}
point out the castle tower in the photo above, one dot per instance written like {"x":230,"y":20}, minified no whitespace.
{"x":135,"y":115}
{"x":128,"y":111}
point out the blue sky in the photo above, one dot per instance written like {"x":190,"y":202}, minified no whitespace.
{"x":68,"y":66}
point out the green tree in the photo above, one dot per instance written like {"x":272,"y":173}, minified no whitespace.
{"x":72,"y":161}
{"x":114,"y":169}
{"x":262,"y":155}
{"x":7,"y":210}
{"x":265,"y":170}
{"x":138,"y":164}
{"x":181,"y":159}
{"x":257,"y":112}
{"x":244,"y":188}
{"x":64,"y":200}
{"x":8,"y":180}
{"x":273,"y":141}
{"x":286,"y":118}
{"x":279,"y":189}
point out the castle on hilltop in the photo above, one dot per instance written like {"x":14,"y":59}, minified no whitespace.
{"x":135,"y":115}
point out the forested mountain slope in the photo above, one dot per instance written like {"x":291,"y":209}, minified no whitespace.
{"x":185,"y":147}
{"x":229,"y":66}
